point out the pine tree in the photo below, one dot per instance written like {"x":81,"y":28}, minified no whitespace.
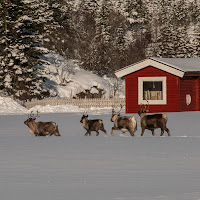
{"x":194,"y":34}
{"x":20,"y":45}
{"x":169,"y":27}
{"x":103,"y":35}
{"x":57,"y":31}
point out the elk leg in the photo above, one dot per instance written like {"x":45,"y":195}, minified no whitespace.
{"x":162,"y":132}
{"x":153,"y":132}
{"x":86,"y":133}
{"x":102,"y":129}
{"x":131,"y":132}
{"x":56,"y":132}
{"x":36,"y":133}
{"x":143,"y":129}
{"x":40,"y":133}
{"x":46,"y":133}
{"x":167,"y":130}
{"x":113,"y":128}
{"x":97,"y":133}
{"x":135,"y":128}
{"x":50,"y":133}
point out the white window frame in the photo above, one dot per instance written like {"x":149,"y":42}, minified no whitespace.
{"x":164,"y":89}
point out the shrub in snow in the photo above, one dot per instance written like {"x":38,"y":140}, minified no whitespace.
{"x":94,"y":92}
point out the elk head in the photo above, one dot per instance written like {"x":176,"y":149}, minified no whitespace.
{"x":85,"y":116}
{"x":144,"y":108}
{"x":115,"y":114}
{"x":31,"y":118}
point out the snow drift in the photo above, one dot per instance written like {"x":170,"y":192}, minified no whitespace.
{"x":9,"y":106}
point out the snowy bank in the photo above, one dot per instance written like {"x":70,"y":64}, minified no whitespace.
{"x":70,"y":109}
{"x":9,"y":106}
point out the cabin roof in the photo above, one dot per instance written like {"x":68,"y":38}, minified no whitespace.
{"x":175,"y":66}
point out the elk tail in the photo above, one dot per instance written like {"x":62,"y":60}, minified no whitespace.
{"x":165,"y":117}
{"x":57,"y":131}
{"x":133,"y":118}
{"x":134,"y":122}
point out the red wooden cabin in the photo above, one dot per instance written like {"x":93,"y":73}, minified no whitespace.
{"x":169,"y":84}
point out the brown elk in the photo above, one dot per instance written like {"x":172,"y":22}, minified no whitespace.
{"x":41,"y":128}
{"x":92,"y":125}
{"x":123,"y":123}
{"x":153,"y":121}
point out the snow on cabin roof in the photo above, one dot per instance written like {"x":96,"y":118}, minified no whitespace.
{"x":175,"y":66}
{"x":187,"y":64}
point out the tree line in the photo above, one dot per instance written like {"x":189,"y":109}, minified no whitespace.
{"x":102,"y":36}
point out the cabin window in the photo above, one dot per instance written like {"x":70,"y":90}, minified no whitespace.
{"x":152,"y":89}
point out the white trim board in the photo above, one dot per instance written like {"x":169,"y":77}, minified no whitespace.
{"x":150,"y":62}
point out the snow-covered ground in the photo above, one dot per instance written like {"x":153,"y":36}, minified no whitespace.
{"x":9,"y":106}
{"x":64,"y":78}
{"x":117,"y":167}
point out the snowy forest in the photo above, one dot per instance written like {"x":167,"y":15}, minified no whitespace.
{"x":99,"y":35}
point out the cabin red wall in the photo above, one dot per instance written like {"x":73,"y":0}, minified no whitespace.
{"x":173,"y":84}
{"x":198,"y":93}
{"x":189,"y":85}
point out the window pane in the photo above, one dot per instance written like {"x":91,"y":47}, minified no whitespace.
{"x":152,"y":90}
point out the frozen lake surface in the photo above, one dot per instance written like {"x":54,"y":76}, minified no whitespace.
{"x":117,"y":167}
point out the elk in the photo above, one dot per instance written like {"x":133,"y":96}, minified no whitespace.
{"x":92,"y":125}
{"x":153,"y":121}
{"x":123,"y":123}
{"x":41,"y":128}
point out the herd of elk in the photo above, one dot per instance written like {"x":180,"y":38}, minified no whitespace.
{"x":122,"y":123}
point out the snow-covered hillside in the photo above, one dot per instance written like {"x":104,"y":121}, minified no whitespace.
{"x":66,"y":79}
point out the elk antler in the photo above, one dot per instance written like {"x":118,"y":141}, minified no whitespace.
{"x":37,"y":114}
{"x":120,"y":108}
{"x":113,"y":110}
{"x":85,"y":113}
{"x":145,"y":107}
{"x":31,"y":115}
{"x":141,"y":106}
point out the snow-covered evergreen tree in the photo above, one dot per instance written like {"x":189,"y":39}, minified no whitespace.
{"x":195,"y":41}
{"x":169,"y":29}
{"x":20,"y":43}
{"x":194,"y":31}
{"x":106,"y":35}
{"x":57,"y":31}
